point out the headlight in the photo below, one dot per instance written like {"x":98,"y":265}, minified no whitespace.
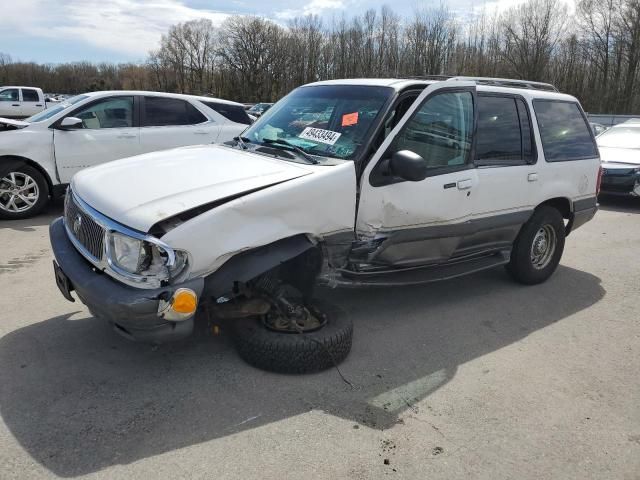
{"x":147,"y":259}
{"x":127,"y":253}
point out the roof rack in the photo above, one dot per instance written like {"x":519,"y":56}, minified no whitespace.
{"x":428,"y":77}
{"x":508,"y":82}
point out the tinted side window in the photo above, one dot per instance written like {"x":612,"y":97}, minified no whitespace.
{"x":564,"y":132}
{"x":29,"y":95}
{"x":230,"y":112}
{"x":499,"y":139}
{"x":10,"y":95}
{"x":440,"y":131}
{"x":159,"y":112}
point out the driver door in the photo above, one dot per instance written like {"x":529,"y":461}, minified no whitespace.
{"x":411,"y":223}
{"x":109,"y":132}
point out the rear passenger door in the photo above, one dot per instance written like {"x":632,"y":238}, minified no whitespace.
{"x":31,"y":102}
{"x":505,"y":157}
{"x":173,"y":122}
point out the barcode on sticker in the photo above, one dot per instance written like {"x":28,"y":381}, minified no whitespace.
{"x":319,"y":135}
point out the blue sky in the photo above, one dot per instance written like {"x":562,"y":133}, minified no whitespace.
{"x":54,"y":31}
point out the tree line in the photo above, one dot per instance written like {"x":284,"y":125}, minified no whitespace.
{"x":593,"y":54}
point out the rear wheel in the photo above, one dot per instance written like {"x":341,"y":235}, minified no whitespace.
{"x":23,"y":191}
{"x":538,"y":248}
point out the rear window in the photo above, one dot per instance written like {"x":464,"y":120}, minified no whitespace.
{"x":235,"y":113}
{"x":29,"y":95}
{"x":161,"y":111}
{"x":564,"y":132}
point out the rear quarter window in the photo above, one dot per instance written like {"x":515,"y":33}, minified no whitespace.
{"x":235,"y":113}
{"x":564,"y":131}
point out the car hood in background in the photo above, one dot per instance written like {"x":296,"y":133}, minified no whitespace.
{"x":13,"y":123}
{"x":144,"y":190}
{"x":628,"y":156}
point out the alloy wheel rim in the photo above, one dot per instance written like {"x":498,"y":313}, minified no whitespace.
{"x":19,"y":192}
{"x":543,"y":247}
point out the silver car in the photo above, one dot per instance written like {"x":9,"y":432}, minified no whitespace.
{"x":620,"y":153}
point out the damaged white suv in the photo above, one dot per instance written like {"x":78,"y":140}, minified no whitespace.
{"x":346,"y":183}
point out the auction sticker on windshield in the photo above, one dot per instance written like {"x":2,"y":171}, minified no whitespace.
{"x":319,"y":135}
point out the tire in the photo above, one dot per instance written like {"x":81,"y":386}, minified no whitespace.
{"x":295,"y":352}
{"x":545,"y":223}
{"x":21,"y":171}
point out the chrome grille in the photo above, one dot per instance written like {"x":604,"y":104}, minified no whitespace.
{"x":84,"y":228}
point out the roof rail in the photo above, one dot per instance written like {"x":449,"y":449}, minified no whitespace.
{"x":428,"y":77}
{"x":508,"y":82}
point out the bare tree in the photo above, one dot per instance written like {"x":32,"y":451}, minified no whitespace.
{"x":531,"y":32}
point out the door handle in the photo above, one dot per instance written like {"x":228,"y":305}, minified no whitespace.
{"x":38,"y":104}
{"x":201,"y":132}
{"x":15,"y":104}
{"x":465,"y":184}
{"x":532,"y":177}
{"x":126,"y":135}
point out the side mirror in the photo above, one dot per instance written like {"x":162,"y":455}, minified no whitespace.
{"x":408,"y":165}
{"x":70,"y":123}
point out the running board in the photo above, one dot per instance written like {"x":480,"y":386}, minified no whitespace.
{"x":412,"y":276}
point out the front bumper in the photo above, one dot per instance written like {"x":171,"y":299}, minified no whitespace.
{"x":620,"y":181}
{"x":133,"y":312}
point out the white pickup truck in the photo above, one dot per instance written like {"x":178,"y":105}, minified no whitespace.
{"x":21,"y":102}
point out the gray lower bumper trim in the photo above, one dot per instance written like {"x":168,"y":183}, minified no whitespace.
{"x":133,"y":311}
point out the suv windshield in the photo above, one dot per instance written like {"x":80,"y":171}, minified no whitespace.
{"x":620,"y":137}
{"x":50,"y":112}
{"x":324,"y":120}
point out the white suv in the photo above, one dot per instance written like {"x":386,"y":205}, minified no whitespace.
{"x":346,"y":183}
{"x":39,"y":156}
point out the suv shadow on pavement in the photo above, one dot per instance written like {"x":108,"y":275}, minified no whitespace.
{"x":79,"y":399}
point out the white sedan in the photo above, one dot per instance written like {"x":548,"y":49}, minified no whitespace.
{"x":38,"y":156}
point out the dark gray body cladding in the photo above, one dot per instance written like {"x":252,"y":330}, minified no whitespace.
{"x":440,"y":243}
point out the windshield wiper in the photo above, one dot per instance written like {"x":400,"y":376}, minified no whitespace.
{"x":242,"y":141}
{"x":291,"y":146}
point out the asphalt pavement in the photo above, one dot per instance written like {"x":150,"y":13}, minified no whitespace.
{"x":476,"y":378}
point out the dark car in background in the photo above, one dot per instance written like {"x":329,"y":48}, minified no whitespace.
{"x":620,"y":153}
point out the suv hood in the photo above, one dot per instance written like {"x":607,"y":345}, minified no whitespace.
{"x":8,"y":122}
{"x":629,"y":156}
{"x":144,"y":190}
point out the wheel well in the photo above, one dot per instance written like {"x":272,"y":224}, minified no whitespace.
{"x":249,"y":264}
{"x":562,"y":204}
{"x":33,"y":164}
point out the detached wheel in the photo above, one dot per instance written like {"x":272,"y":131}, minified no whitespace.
{"x":23,"y":191}
{"x":538,"y":248}
{"x":267,"y":344}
